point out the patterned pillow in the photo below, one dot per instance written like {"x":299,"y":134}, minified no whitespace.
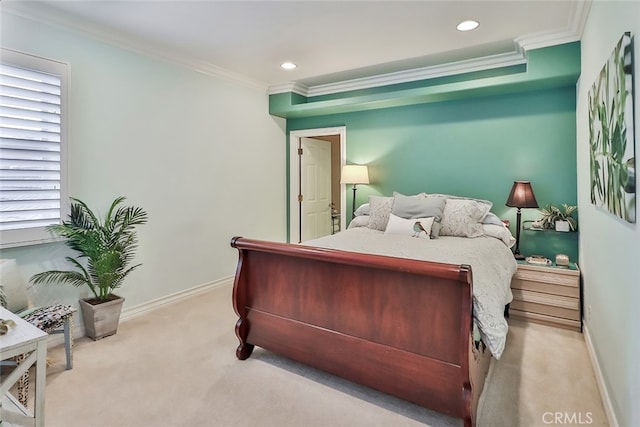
{"x":463,"y":218}
{"x":379,"y":211}
{"x":415,"y":227}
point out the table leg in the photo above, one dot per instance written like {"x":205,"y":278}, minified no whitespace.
{"x":41,"y":377}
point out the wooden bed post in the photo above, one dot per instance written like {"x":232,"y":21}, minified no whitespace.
{"x":244,"y":350}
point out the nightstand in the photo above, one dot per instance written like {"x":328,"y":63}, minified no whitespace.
{"x":335,"y":222}
{"x":547,"y":294}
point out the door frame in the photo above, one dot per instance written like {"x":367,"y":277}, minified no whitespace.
{"x":294,"y":173}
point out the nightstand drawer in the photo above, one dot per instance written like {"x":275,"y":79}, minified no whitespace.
{"x":547,"y":320}
{"x":552,"y":276}
{"x":551,"y":305}
{"x":564,"y":289}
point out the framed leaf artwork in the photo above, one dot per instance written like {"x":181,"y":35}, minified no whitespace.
{"x":611,"y":134}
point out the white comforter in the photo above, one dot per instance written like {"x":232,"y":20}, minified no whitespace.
{"x":492,"y":265}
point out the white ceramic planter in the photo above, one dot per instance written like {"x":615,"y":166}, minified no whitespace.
{"x":562,"y":226}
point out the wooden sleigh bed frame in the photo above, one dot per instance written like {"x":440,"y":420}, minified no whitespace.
{"x":400,"y":326}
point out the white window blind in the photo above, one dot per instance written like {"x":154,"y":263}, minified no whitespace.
{"x":32,"y":179}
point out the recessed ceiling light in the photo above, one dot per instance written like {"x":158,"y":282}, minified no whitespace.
{"x":468,"y":25}
{"x":288,"y":65}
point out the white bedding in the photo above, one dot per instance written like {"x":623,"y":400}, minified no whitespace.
{"x":492,"y":265}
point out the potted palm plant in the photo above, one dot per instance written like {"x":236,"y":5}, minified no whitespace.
{"x":105,"y":252}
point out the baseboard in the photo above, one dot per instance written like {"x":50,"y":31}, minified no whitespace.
{"x":604,"y":393}
{"x":141,"y":309}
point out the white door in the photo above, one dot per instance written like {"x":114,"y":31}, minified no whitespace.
{"x":315,"y":183}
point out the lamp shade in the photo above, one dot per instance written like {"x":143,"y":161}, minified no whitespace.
{"x":354,"y":174}
{"x":522,"y":196}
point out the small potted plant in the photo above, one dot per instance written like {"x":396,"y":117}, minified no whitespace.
{"x":558,"y":219}
{"x":105,"y":250}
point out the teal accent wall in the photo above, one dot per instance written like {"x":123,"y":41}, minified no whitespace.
{"x":471,"y":147}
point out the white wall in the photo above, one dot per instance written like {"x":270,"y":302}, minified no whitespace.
{"x":200,"y":153}
{"x":609,"y":247}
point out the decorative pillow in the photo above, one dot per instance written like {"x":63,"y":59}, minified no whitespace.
{"x":379,"y":211}
{"x":500,"y":232}
{"x":413,"y":207}
{"x":449,"y":196}
{"x":359,"y":221}
{"x":420,"y":207}
{"x":415,"y":196}
{"x":416,"y":227}
{"x":363,"y":209}
{"x":463,"y":218}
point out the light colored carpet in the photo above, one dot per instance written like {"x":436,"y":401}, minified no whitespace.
{"x":176,"y":367}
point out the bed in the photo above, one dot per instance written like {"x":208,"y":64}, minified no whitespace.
{"x":413,"y":313}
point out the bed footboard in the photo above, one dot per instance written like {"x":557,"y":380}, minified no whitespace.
{"x":400,"y":326}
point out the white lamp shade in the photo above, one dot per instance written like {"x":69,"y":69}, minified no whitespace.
{"x":354,"y":174}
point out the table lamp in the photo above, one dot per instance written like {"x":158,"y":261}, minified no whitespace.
{"x":521,"y":196}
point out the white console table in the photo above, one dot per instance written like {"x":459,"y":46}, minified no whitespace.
{"x":24,"y":338}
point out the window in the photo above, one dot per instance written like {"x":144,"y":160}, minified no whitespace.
{"x":32,"y":147}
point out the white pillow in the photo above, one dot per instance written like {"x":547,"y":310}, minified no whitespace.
{"x":417,"y":227}
{"x":500,"y":232}
{"x":359,"y":221}
{"x":363,"y":209}
{"x":492,"y":218}
{"x":463,"y":218}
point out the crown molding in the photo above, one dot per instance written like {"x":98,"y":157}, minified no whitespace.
{"x":442,"y":70}
{"x":579,"y":16}
{"x":431,"y":72}
{"x":44,"y":14}
{"x":546,"y":39}
{"x":572,"y":33}
{"x":517,"y":57}
{"x":50,"y":16}
{"x":294,"y":87}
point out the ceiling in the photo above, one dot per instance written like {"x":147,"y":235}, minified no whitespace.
{"x":330,"y":41}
